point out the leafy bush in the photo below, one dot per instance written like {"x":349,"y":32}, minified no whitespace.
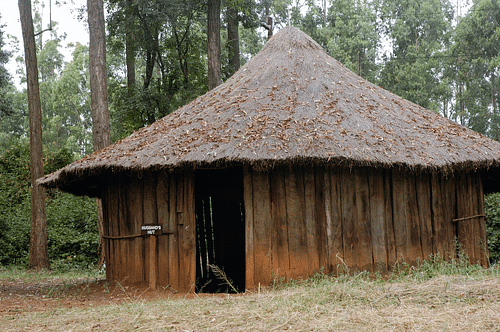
{"x":492,"y":211}
{"x":71,"y":221}
{"x":14,"y":227}
{"x":72,"y":231}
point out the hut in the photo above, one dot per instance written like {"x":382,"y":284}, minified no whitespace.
{"x":294,"y":165}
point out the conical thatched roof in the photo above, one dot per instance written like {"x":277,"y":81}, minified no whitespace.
{"x":292,"y":103}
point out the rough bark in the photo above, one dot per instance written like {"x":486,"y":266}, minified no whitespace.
{"x":130,"y":49}
{"x":98,"y":91}
{"x":213,"y":30}
{"x":233,"y":37}
{"x":39,"y":258}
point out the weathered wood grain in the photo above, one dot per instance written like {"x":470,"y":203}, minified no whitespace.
{"x":378,"y":220}
{"x":262,"y":228}
{"x":295,"y":211}
{"x":279,"y":240}
{"x":249,"y":228}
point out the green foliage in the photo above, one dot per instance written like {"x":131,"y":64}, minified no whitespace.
{"x":354,"y":39}
{"x":14,"y":227}
{"x":420,"y":33}
{"x":170,"y":47}
{"x":492,"y":211}
{"x":5,"y":84}
{"x":14,"y":205}
{"x":475,"y":69}
{"x":71,"y":221}
{"x":72,"y":231}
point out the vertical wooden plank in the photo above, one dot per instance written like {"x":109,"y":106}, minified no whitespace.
{"x":126,"y":246}
{"x":444,"y":203}
{"x":362,"y":227}
{"x":249,"y":226}
{"x":400,"y":215}
{"x":146,"y":245}
{"x":188,"y":240}
{"x":136,"y":215}
{"x":320,"y":219}
{"x":437,"y":214}
{"x":349,"y":218}
{"x":463,"y":227}
{"x":279,"y":241}
{"x":186,"y":227}
{"x":378,"y":223}
{"x":474,"y":223}
{"x":310,"y":220}
{"x":121,"y":226}
{"x":333,"y":206}
{"x":261,"y":230}
{"x":468,"y":230}
{"x":295,"y":211}
{"x":330,"y":250}
{"x":425,"y":215}
{"x":482,"y":222}
{"x":149,"y":202}
{"x":389,"y":219}
{"x":150,"y":216}
{"x":173,"y":240}
{"x":477,"y":198}
{"x":153,"y":261}
{"x":107,"y":214}
{"x":162,"y":201}
{"x":115,"y":230}
{"x":415,"y":244}
{"x":450,"y":208}
{"x":180,"y":230}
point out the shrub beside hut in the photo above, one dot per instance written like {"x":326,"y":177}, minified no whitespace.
{"x":294,"y":165}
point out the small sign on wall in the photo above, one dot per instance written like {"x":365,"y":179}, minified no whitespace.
{"x":151,"y":229}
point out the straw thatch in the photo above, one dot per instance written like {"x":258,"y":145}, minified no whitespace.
{"x":292,"y":103}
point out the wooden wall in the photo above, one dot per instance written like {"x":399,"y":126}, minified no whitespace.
{"x":300,"y":221}
{"x":164,"y":198}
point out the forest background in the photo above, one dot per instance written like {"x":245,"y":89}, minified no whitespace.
{"x":157,"y":59}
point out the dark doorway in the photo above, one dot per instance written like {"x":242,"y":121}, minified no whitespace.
{"x":220,"y":231}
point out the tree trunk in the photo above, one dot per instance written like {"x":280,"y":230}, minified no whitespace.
{"x":213,"y":30}
{"x":98,"y":91}
{"x":39,"y":258}
{"x":269,"y":22}
{"x":233,"y":37}
{"x":130,"y":48}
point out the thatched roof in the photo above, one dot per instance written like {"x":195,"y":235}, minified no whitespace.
{"x":292,"y":103}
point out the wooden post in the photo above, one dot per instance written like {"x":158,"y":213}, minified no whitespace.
{"x":153,"y":230}
{"x":153,"y":261}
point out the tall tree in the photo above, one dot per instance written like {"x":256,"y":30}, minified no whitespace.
{"x":213,"y":31}
{"x":39,"y":258}
{"x":130,"y":47}
{"x":98,"y":89}
{"x":233,"y":39}
{"x":420,"y":32}
{"x":354,"y":37}
{"x":170,"y":57}
{"x":476,"y":63}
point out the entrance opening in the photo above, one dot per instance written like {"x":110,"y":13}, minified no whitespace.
{"x":220,"y":231}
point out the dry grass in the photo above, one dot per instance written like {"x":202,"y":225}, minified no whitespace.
{"x":425,"y":299}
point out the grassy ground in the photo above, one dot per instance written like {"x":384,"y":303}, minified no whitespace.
{"x":436,"y":296}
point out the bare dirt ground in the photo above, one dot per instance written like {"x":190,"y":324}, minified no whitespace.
{"x":17,"y":297}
